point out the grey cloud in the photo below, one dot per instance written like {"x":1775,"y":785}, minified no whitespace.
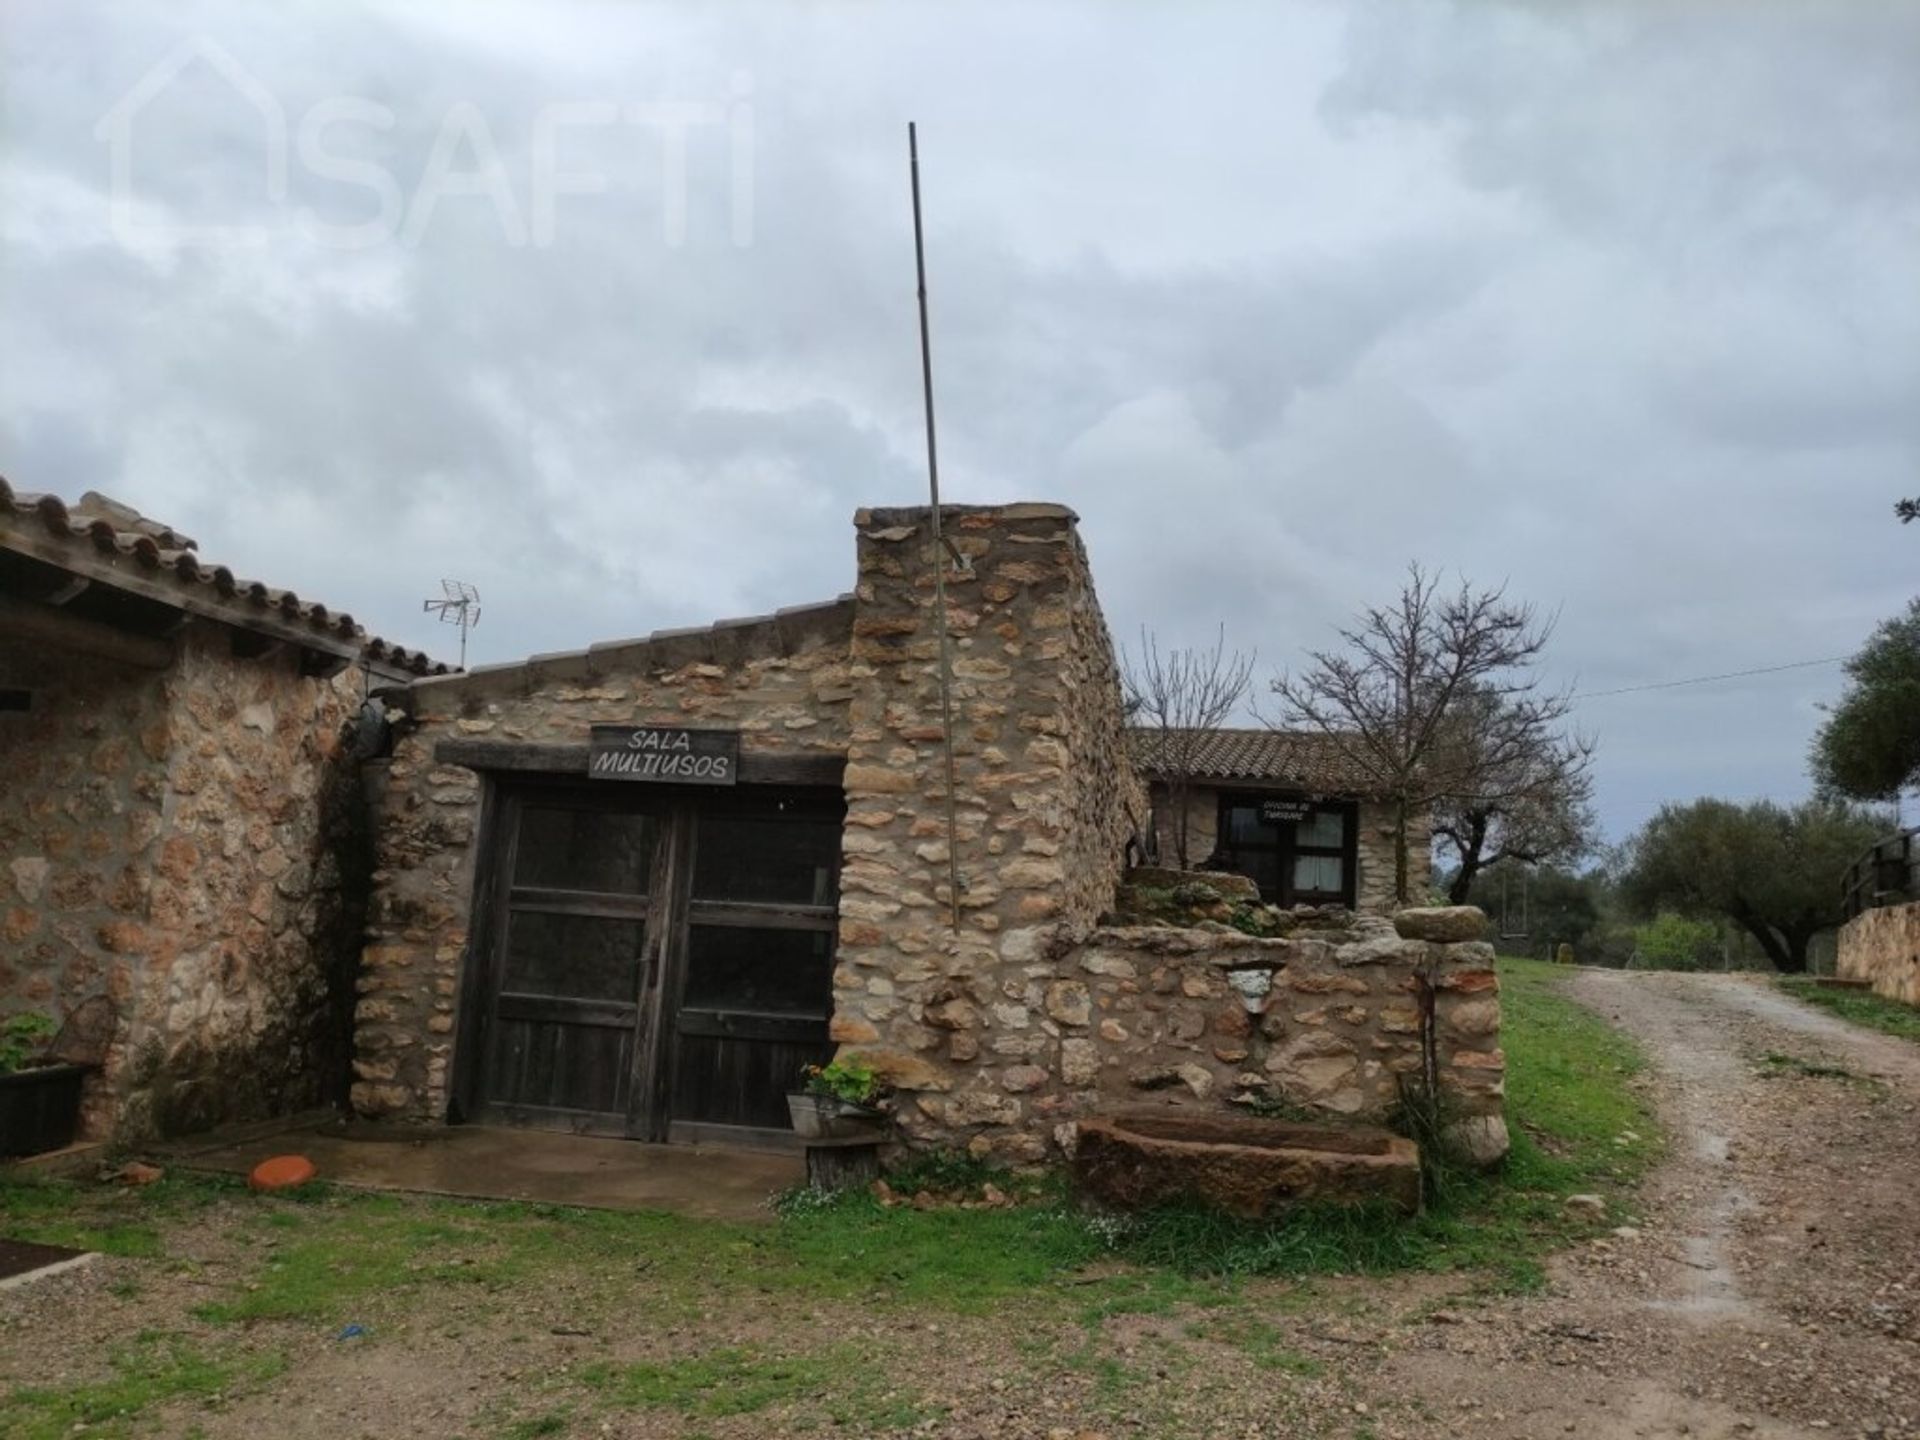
{"x":1613,"y":301}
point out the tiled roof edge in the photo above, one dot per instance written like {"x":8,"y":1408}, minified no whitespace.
{"x":789,"y":628}
{"x":100,"y":531}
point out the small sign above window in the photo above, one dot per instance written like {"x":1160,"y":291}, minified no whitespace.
{"x":1285,"y":812}
{"x":664,"y":755}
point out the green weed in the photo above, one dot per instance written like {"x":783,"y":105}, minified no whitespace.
{"x":148,"y":1372}
{"x":839,"y":1382}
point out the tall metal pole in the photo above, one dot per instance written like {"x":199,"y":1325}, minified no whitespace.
{"x":939,"y":541}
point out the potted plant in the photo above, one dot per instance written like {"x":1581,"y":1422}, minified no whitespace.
{"x":838,"y":1102}
{"x":39,"y":1096}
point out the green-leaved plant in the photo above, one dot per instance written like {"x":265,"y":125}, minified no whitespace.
{"x":22,"y":1038}
{"x":846,"y":1080}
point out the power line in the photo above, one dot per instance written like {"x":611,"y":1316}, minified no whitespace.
{"x":1709,"y":679}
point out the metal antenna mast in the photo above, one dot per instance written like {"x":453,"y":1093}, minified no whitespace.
{"x":939,"y":540}
{"x":460,"y":606}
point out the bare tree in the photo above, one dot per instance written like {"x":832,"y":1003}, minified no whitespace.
{"x":1520,"y":786}
{"x":1389,"y":694}
{"x":1181,"y":699}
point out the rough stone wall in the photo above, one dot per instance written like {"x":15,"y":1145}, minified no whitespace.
{"x":257,"y":896}
{"x":783,"y":682}
{"x":1107,"y":801}
{"x":1329,"y":1019}
{"x":82,"y":781}
{"x":174,"y":844}
{"x":1374,"y":890}
{"x":1883,"y":946}
{"x":1046,"y":800}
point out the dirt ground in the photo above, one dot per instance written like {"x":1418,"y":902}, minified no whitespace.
{"x":1769,"y":1286}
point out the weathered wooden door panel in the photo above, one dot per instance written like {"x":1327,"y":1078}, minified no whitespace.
{"x":730,"y":1072}
{"x":569,"y":956}
{"x":754,"y":972}
{"x":559,"y":1065}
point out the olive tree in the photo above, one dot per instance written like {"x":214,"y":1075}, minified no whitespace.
{"x":1771,"y":869}
{"x":1869,"y":746}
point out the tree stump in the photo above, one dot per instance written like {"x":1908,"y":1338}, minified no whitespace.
{"x":852,"y":1164}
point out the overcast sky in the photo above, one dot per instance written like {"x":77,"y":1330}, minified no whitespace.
{"x":1617,"y":303}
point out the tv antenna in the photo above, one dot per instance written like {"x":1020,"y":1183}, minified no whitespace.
{"x":460,"y":606}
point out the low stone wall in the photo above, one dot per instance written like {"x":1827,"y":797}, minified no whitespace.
{"x":1883,"y":947}
{"x":1326,"y":1020}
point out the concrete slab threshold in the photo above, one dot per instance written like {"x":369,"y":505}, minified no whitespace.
{"x":22,"y":1263}
{"x":477,"y":1162}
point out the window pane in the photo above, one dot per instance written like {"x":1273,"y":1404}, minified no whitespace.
{"x":1324,"y":829}
{"x":1244,"y":824}
{"x":573,"y":955}
{"x":585,"y":850}
{"x":741,"y":967}
{"x":772,"y":858}
{"x":1322,"y":874}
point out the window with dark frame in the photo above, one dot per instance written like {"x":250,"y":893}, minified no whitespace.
{"x":1305,"y":860}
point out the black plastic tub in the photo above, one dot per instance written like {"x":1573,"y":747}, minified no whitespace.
{"x":39,"y":1109}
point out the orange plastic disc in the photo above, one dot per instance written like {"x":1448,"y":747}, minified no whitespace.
{"x":282,"y":1172}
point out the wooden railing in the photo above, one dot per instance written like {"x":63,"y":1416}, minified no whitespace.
{"x":1885,"y":875}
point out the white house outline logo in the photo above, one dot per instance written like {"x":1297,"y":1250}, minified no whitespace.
{"x":116,"y":130}
{"x":463,"y":132}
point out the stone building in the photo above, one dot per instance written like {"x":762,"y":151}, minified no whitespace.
{"x":178,"y":842}
{"x":633,"y":889}
{"x":1294,"y":812}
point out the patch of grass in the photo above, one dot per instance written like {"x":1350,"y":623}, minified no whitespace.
{"x":956,"y":1172}
{"x":1861,"y":1007}
{"x":148,"y":1372}
{"x":724,"y":1382}
{"x":358,"y":1246}
{"x":1262,"y":1342}
{"x":549,"y":1422}
{"x":114,"y":1220}
{"x":1774,"y":1063}
{"x":840,"y":1382}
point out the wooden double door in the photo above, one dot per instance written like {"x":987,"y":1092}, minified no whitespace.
{"x":655,"y":963}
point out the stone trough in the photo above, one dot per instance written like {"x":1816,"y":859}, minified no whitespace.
{"x":1242,"y":1164}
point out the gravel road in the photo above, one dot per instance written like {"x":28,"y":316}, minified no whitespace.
{"x":1771,"y":1284}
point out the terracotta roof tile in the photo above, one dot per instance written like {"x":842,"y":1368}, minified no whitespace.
{"x":111,"y":530}
{"x":1325,"y":764}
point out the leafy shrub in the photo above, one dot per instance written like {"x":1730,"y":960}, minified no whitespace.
{"x":1673,"y":942}
{"x":22,"y":1037}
